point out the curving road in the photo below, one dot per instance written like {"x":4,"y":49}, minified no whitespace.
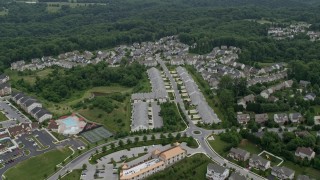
{"x":201,"y":138}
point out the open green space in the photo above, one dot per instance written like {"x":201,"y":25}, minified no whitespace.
{"x":38,"y":167}
{"x":28,"y":76}
{"x":219,"y":146}
{"x":3,"y":117}
{"x":74,"y":175}
{"x":250,"y":147}
{"x":313,"y":173}
{"x":194,"y":167}
{"x":117,"y":120}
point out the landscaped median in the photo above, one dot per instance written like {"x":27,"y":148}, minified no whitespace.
{"x":121,"y":146}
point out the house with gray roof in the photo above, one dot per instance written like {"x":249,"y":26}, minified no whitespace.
{"x":304,"y":152}
{"x":303,"y":177}
{"x":243,"y":118}
{"x":4,"y":78}
{"x":282,"y":172}
{"x":239,"y":154}
{"x":5,"y":89}
{"x":259,"y":163}
{"x":43,"y":115}
{"x":30,"y":104}
{"x":261,"y":118}
{"x":236,"y":176}
{"x":216,"y":172}
{"x":206,"y":113}
{"x":295,"y":117}
{"x":310,"y":96}
{"x":280,"y":118}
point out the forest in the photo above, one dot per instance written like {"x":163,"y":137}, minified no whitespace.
{"x":30,"y":31}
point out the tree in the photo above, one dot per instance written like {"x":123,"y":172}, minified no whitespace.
{"x":129,"y":141}
{"x":136,"y":140}
{"x":121,"y":143}
{"x":112,"y":146}
{"x":153,"y":137}
{"x":145,"y":138}
{"x":104,"y":148}
{"x":84,"y":166}
{"x":226,"y":98}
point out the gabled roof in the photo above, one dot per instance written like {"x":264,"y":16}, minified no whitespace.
{"x":41,"y":113}
{"x":307,"y":151}
{"x":216,"y":168}
{"x":284,"y":170}
{"x":239,"y":151}
{"x":236,"y":176}
{"x":259,"y":159}
{"x":35,"y":110}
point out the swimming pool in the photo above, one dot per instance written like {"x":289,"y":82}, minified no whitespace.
{"x":70,"y":121}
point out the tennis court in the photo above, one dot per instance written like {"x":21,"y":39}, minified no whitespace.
{"x":97,"y":134}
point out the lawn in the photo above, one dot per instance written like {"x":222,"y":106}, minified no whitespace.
{"x":28,"y":77}
{"x":313,"y":173}
{"x":274,"y":161}
{"x":117,"y":120}
{"x":194,"y":167}
{"x":250,"y":147}
{"x":74,"y":175}
{"x":38,"y":167}
{"x":3,"y":117}
{"x":219,"y":146}
{"x":64,"y":108}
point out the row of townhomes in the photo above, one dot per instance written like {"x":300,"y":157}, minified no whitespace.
{"x":5,"y":87}
{"x":280,"y":118}
{"x":260,"y":163}
{"x":145,"y":111}
{"x":192,"y":94}
{"x":157,"y":161}
{"x":31,"y":106}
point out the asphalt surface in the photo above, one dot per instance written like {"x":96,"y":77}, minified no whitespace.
{"x":201,"y":138}
{"x":12,"y":113}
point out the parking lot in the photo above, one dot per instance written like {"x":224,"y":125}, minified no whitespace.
{"x":12,"y":113}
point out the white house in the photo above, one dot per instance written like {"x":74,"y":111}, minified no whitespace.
{"x":216,"y":172}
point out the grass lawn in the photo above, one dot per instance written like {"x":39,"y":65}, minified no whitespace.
{"x":313,"y":173}
{"x":30,"y":78}
{"x":117,"y":120}
{"x":38,"y":167}
{"x":248,"y":146}
{"x":219,"y":146}
{"x":74,"y":175}
{"x":3,"y":117}
{"x":274,"y":161}
{"x":194,"y":167}
{"x":64,"y":108}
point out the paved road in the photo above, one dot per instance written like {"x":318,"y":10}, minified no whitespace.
{"x":201,"y":138}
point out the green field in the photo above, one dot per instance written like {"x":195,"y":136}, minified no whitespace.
{"x":250,"y":147}
{"x":74,"y":175}
{"x":2,"y":117}
{"x":219,"y":146}
{"x":29,"y":77}
{"x":38,"y":167}
{"x":117,"y":120}
{"x":313,"y":173}
{"x":194,"y":167}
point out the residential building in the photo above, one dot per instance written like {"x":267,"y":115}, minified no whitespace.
{"x":243,"y":102}
{"x":304,"y":83}
{"x":43,"y":115}
{"x":303,"y":177}
{"x":261,"y":118}
{"x":282,"y":172}
{"x":259,"y":163}
{"x":304,"y":152}
{"x":236,"y":176}
{"x":295,"y":117}
{"x":280,"y":118}
{"x":5,"y":89}
{"x":216,"y":172}
{"x":159,"y":161}
{"x":243,"y":118}
{"x":22,"y":128}
{"x":310,"y":97}
{"x":239,"y":154}
{"x":4,"y":78}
